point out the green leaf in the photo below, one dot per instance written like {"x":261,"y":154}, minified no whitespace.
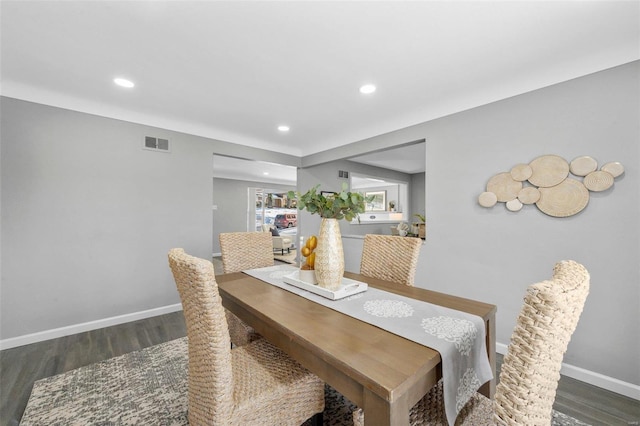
{"x":342,"y":205}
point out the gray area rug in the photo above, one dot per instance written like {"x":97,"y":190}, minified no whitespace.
{"x":146,"y":387}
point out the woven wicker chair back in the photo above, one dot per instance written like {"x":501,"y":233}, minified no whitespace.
{"x":531,"y":368}
{"x":210,"y":373}
{"x":245,"y":250}
{"x":391,"y":258}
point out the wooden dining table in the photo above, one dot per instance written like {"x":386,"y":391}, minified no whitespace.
{"x":379,"y":371}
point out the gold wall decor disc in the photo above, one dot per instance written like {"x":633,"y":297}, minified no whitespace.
{"x":529,"y":195}
{"x":548,"y":170}
{"x":582,"y":166}
{"x":598,"y":181}
{"x":565,"y":199}
{"x":487,"y":199}
{"x":514,"y":205}
{"x":615,"y":168}
{"x":521,"y":172}
{"x":504,"y":186}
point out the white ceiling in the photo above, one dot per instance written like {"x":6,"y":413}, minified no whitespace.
{"x":253,"y":171}
{"x":236,"y":70}
{"x":407,"y":159}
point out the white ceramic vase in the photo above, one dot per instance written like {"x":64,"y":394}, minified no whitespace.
{"x":329,"y":262}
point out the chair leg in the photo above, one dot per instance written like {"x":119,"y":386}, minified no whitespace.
{"x":317,"y":419}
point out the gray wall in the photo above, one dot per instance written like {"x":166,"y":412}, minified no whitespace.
{"x":88,"y":215}
{"x":493,"y":254}
{"x":230,"y":196}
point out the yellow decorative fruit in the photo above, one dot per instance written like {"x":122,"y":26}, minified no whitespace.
{"x":306,"y":251}
{"x":311,"y":260}
{"x":312,"y":242}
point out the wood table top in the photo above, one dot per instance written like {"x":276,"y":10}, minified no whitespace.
{"x":344,"y":351}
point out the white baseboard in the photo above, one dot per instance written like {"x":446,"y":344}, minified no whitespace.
{"x":592,"y":378}
{"x":217,"y":254}
{"x":87,"y":326}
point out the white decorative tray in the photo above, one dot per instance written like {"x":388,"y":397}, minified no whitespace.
{"x":348,"y":287}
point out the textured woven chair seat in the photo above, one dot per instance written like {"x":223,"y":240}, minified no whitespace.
{"x":241,"y":251}
{"x":254,"y":384}
{"x":270,"y":387}
{"x":390,"y":258}
{"x":531,"y":368}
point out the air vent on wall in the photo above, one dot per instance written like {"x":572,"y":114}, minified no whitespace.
{"x":156,"y":144}
{"x":343,"y":174}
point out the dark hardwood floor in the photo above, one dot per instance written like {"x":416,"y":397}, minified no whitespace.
{"x":20,"y":367}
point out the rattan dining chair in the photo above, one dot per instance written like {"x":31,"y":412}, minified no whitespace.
{"x":240,"y":251}
{"x":531,"y":368}
{"x":254,"y":384}
{"x":391,"y":258}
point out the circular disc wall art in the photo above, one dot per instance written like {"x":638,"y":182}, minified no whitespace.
{"x":521,"y":172}
{"x":504,"y":186}
{"x":529,"y":195}
{"x":548,"y":170}
{"x":598,"y":181}
{"x":582,"y":166}
{"x":514,"y":205}
{"x":545,"y":182}
{"x":565,"y":199}
{"x":487,"y":199}
{"x":615,"y":168}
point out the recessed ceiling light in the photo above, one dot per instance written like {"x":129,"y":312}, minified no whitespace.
{"x":123,"y":82}
{"x":283,"y":128}
{"x":265,"y":173}
{"x":367,"y":88}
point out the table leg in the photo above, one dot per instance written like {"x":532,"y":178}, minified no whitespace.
{"x":379,"y":412}
{"x":489,"y":388}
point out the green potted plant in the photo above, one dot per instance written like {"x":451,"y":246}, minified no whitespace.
{"x":329,"y":257}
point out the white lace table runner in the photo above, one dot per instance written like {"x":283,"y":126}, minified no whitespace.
{"x":459,"y":337}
